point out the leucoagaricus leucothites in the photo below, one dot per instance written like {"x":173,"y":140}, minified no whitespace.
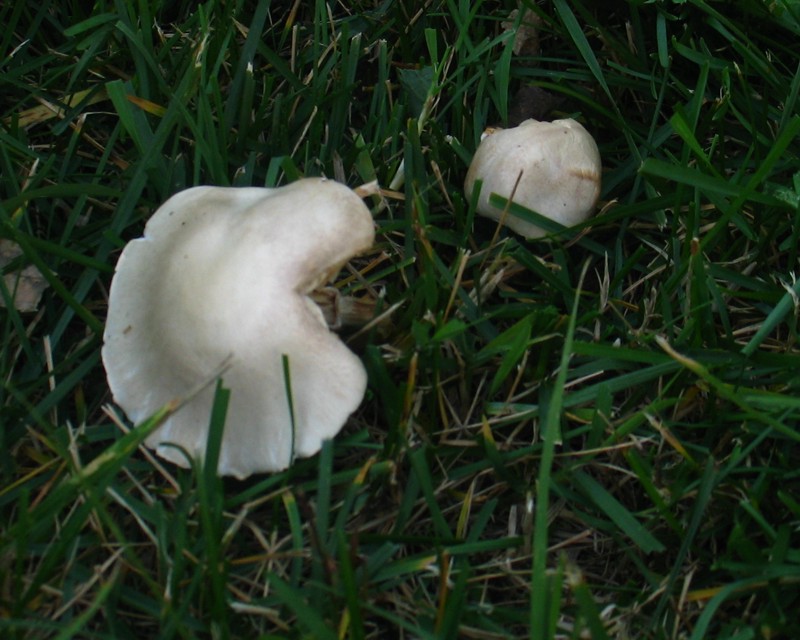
{"x":224,"y":275}
{"x":560,"y":173}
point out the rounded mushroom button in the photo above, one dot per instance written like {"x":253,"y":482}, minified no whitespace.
{"x":558,"y":166}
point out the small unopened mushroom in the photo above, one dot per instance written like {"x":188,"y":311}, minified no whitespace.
{"x":560,"y":173}
{"x":224,"y":275}
{"x":25,"y":285}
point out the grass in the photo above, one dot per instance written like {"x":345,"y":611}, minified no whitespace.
{"x":593,"y":435}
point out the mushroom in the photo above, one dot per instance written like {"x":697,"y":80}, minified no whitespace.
{"x":25,"y":285}
{"x":560,"y":167}
{"x":225,"y":274}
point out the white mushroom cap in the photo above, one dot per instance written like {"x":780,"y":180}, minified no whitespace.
{"x":560,"y":167}
{"x":223,"y":274}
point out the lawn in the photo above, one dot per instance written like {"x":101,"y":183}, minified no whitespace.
{"x":591,"y":435}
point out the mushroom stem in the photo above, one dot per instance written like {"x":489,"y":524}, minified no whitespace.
{"x":341,"y":312}
{"x":368,"y":189}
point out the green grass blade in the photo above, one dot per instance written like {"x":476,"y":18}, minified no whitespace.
{"x":617,"y":513}
{"x":551,"y":429}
